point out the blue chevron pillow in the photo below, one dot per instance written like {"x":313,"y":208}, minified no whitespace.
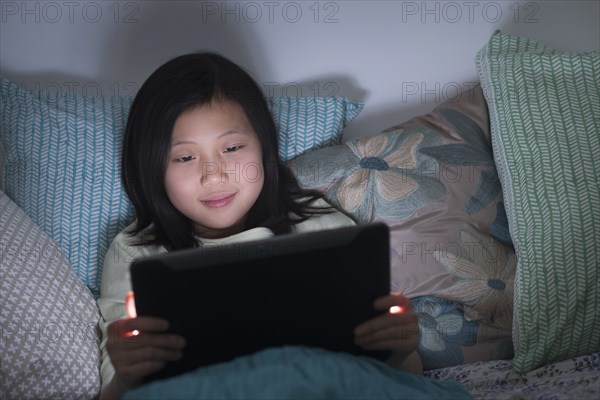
{"x":61,"y":161}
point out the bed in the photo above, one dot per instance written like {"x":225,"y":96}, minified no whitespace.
{"x":492,"y":200}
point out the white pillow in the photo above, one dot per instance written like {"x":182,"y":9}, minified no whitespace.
{"x":48,"y":317}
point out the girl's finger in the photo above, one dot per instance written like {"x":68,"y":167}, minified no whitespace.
{"x":141,"y":340}
{"x":385,"y":321}
{"x":143,"y":331}
{"x":393,"y":338}
{"x":393,"y":299}
{"x":405,"y":332}
{"x":143,"y":324}
{"x":145,"y":354}
{"x":394,"y":345}
{"x":134,"y":373}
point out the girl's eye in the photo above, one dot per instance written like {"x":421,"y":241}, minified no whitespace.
{"x":184,"y":159}
{"x":231,"y":149}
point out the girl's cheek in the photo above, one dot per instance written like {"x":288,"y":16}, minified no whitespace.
{"x":252,"y":172}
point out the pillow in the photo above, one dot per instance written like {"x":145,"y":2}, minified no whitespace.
{"x":308,"y":123}
{"x":447,"y":338}
{"x":432,"y":180}
{"x":544,"y":109}
{"x":62,"y":161}
{"x":48,"y":317}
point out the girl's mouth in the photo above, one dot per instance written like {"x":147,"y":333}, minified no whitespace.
{"x":218,"y":200}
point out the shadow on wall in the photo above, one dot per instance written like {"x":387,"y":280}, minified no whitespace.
{"x":149,"y":33}
{"x":570,"y":24}
{"x":165,"y":31}
{"x":143,"y":36}
{"x":168,"y":31}
{"x":135,"y":37}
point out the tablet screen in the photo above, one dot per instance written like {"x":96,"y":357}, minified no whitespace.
{"x":305,"y":289}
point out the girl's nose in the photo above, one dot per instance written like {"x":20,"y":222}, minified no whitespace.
{"x":214,"y":173}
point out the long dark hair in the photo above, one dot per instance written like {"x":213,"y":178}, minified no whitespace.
{"x":177,"y":86}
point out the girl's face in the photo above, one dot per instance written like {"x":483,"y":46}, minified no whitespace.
{"x":214,"y":171}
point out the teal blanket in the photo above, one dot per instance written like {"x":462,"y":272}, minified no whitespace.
{"x":299,"y":373}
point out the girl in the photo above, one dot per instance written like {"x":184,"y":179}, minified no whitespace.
{"x":200,"y":165}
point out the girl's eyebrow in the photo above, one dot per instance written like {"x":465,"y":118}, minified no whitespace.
{"x":182,"y":142}
{"x":232,"y":132}
{"x":229,"y":132}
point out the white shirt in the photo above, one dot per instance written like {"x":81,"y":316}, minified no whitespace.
{"x":116,"y":281}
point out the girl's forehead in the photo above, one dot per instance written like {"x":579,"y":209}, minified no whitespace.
{"x":218,"y":118}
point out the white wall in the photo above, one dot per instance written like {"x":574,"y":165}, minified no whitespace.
{"x":400,"y":57}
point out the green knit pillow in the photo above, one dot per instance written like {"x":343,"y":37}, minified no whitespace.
{"x":545,"y":119}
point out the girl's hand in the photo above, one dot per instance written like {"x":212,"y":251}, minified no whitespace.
{"x":396,"y":329}
{"x":138,"y":347}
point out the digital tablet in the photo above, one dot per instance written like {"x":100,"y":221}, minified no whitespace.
{"x":308,"y":289}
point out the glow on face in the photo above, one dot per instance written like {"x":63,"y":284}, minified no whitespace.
{"x":214,"y":172}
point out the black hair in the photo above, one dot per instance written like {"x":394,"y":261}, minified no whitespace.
{"x":177,"y":86}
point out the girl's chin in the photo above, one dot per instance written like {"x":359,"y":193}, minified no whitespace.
{"x":218,"y":231}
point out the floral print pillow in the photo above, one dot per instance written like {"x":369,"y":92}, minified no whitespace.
{"x":449,"y":338}
{"x":433,"y":180}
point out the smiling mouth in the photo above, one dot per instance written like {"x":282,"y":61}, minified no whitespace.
{"x":218,"y":201}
